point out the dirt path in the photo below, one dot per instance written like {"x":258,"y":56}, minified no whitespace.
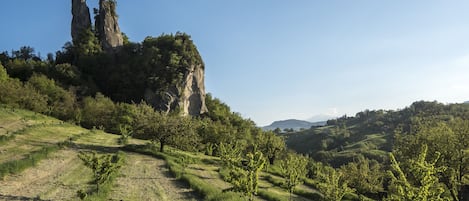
{"x":147,"y":178}
{"x":56,"y":178}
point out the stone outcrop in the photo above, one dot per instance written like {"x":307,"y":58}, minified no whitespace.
{"x":193,"y":97}
{"x":188,"y":97}
{"x":107,"y":26}
{"x":81,"y":18}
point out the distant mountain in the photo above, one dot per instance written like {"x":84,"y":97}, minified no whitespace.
{"x":467,"y":102}
{"x":321,"y":117}
{"x":295,"y":124}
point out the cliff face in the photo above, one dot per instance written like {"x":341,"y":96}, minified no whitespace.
{"x":192,"y":101}
{"x":107,"y":26}
{"x":188,"y":97}
{"x":81,"y":18}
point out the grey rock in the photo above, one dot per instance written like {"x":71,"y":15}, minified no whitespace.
{"x":107,"y":26}
{"x":81,"y":18}
{"x":188,"y":97}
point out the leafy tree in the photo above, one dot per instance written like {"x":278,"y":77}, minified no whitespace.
{"x":364,"y":175}
{"x":447,"y":141}
{"x":61,"y":103}
{"x":97,"y":112}
{"x":425,"y":184}
{"x":103,"y":166}
{"x":14,"y":93}
{"x":270,"y":144}
{"x":24,"y":53}
{"x":3,"y":73}
{"x":293,"y":170}
{"x":244,"y":173}
{"x":167,"y":130}
{"x":331,"y":184}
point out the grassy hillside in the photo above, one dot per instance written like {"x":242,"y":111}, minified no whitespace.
{"x":369,"y":133}
{"x":146,"y":174}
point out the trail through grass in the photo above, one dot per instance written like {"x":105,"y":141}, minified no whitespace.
{"x":56,"y":178}
{"x":147,"y":178}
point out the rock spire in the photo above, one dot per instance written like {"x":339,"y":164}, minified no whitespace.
{"x":107,"y":26}
{"x":81,"y":18}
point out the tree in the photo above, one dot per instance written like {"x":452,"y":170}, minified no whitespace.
{"x":365,"y":175}
{"x":424,"y":184}
{"x":271,"y":145}
{"x":97,"y":112}
{"x":3,"y":73}
{"x":244,"y":173}
{"x":447,"y":141}
{"x":61,"y":103}
{"x":293,"y":170}
{"x":103,"y":166}
{"x":331,"y":184}
{"x":25,"y":53}
{"x":167,"y":130}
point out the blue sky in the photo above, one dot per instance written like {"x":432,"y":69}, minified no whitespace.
{"x":277,"y":59}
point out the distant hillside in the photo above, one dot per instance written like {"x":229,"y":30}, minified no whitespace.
{"x":368,"y":133}
{"x":295,"y":124}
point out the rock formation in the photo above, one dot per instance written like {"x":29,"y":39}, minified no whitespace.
{"x":188,"y":97}
{"x":107,"y":27}
{"x":81,"y":18}
{"x":192,"y":100}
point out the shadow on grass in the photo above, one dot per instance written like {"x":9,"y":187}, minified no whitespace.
{"x":97,"y":148}
{"x":21,"y":198}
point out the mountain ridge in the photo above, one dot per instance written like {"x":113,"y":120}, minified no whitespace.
{"x":294,"y":124}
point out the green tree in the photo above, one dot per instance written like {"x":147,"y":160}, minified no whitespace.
{"x":3,"y":73}
{"x":364,"y":175}
{"x":293,"y":170}
{"x":103,"y":166}
{"x":244,"y":174}
{"x":425,"y":185}
{"x":270,"y":144}
{"x":97,"y":112}
{"x":331,"y":184}
{"x":167,"y":130}
{"x":61,"y":103}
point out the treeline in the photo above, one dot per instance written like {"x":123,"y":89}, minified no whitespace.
{"x":42,"y":94}
{"x":418,"y":153}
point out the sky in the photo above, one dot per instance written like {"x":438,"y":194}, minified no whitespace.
{"x":277,"y":59}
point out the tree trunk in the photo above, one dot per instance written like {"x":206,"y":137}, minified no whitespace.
{"x":161,"y":146}
{"x":271,"y":160}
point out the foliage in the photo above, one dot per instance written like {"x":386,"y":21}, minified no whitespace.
{"x":244,"y":174}
{"x":172,"y":130}
{"x":447,"y":141}
{"x":426,"y":185}
{"x":364,"y":175}
{"x":14,"y":93}
{"x":103,"y":166}
{"x":271,"y":145}
{"x":61,"y":103}
{"x":3,"y":73}
{"x":331,"y":184}
{"x":293,"y":170}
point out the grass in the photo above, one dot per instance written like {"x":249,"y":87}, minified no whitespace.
{"x":17,"y":166}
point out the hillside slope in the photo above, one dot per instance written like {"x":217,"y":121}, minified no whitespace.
{"x":146,"y":173}
{"x":369,"y":133}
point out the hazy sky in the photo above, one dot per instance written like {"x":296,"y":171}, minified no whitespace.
{"x":277,"y":59}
